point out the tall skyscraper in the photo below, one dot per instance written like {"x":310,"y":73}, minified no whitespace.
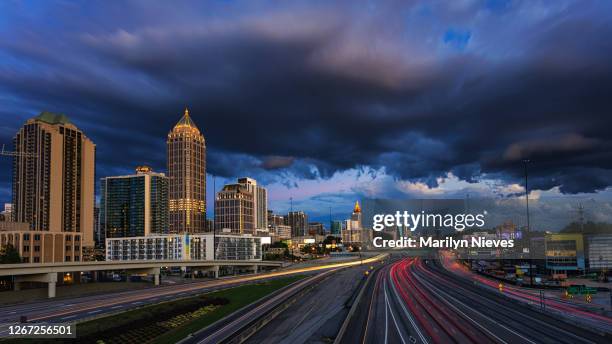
{"x":336,"y":228}
{"x":53,"y":181}
{"x":134,"y":205}
{"x":234,"y":209}
{"x":260,"y":202}
{"x":298,"y":220}
{"x":53,"y":191}
{"x":187,"y":177}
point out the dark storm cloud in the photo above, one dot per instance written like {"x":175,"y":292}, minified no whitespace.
{"x":283,"y":94}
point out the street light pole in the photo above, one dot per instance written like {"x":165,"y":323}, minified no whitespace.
{"x":525,"y":162}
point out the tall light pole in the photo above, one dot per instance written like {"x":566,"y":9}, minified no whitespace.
{"x":214,"y":224}
{"x":525,"y":163}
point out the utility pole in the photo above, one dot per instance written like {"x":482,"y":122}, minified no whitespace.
{"x":214,"y":224}
{"x":581,"y":214}
{"x":330,"y":221}
{"x":525,"y":163}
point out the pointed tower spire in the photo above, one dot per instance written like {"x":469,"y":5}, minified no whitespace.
{"x":186,"y":122}
{"x":357,"y":207}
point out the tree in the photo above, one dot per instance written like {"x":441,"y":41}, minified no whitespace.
{"x":279,"y":244}
{"x":9,"y":255}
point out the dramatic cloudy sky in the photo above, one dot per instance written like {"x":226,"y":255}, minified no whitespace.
{"x":329,"y":102}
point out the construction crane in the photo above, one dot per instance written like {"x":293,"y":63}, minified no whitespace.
{"x":4,"y":152}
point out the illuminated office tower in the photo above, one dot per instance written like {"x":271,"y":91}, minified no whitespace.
{"x":234,"y":210}
{"x":260,"y":202}
{"x":187,"y":177}
{"x":53,"y":186}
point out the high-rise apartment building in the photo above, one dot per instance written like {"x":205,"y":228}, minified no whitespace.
{"x":134,"y":205}
{"x":298,"y":220}
{"x":53,"y":186}
{"x":187,"y":177}
{"x":274,"y":219}
{"x":234,"y":210}
{"x":260,"y":202}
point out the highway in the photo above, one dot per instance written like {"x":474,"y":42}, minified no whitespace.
{"x":82,"y":308}
{"x":418,"y":301}
{"x":317,"y":316}
{"x":571,"y":311}
{"x":237,"y":322}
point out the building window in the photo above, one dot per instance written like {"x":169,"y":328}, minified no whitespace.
{"x":77,"y":258}
{"x":26,"y":259}
{"x":67,"y":248}
{"x":26,"y":237}
{"x":67,"y":258}
{"x":36,"y":259}
{"x":37,"y":237}
{"x":26,"y":249}
{"x":77,"y":238}
{"x":36,"y":248}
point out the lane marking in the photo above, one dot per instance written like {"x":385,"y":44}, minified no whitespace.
{"x":388,"y":306}
{"x":416,"y":328}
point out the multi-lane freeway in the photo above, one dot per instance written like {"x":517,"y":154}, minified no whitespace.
{"x":404,"y":300}
{"x":80,"y":308}
{"x":417,"y":300}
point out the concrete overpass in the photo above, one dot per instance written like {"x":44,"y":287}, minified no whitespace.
{"x":47,"y":272}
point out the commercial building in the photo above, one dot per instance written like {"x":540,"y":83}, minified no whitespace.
{"x":184,"y":247}
{"x":53,"y":185}
{"x":336,"y":228}
{"x":260,"y":201}
{"x":41,"y":246}
{"x":234,"y":209}
{"x":599,"y":252}
{"x":280,"y":232}
{"x":274,"y":219}
{"x":7,"y":213}
{"x":134,"y":205}
{"x":187,"y":177}
{"x":298,"y":221}
{"x":353,"y":232}
{"x":564,"y":252}
{"x":315,"y":228}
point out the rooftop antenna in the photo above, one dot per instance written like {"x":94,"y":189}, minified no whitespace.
{"x":581,"y":217}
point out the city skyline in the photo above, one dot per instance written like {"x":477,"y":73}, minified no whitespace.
{"x":307,"y":139}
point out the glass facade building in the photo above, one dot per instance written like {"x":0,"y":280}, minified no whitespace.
{"x":134,"y":205}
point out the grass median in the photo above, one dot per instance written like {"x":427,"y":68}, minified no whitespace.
{"x":171,"y":321}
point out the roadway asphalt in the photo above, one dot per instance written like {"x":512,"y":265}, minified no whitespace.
{"x":507,"y":320}
{"x":418,"y":301}
{"x":317,"y":316}
{"x":227,"y":329}
{"x":381,"y":316}
{"x":86,"y":307}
